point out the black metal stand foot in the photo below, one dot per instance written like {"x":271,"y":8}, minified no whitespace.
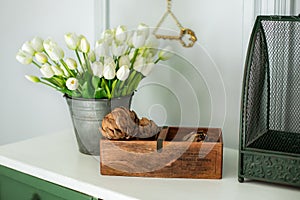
{"x":241,"y":179}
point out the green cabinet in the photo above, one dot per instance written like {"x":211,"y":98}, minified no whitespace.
{"x":15,"y":185}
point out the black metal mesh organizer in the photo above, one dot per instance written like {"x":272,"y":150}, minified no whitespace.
{"x":270,"y":110}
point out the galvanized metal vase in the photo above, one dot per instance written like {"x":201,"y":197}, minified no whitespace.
{"x":87,"y":115}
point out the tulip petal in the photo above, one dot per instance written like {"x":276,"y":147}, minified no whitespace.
{"x":37,"y":44}
{"x":72,"y":83}
{"x":123,"y":73}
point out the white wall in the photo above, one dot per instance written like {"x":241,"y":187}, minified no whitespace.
{"x":199,"y":86}
{"x":28,"y":109}
{"x":297,"y":7}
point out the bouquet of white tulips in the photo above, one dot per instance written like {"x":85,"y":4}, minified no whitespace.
{"x":119,"y":61}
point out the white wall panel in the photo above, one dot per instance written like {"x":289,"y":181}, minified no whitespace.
{"x":27,"y":109}
{"x":199,"y":86}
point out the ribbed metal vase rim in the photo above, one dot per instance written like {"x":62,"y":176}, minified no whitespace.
{"x":95,"y":99}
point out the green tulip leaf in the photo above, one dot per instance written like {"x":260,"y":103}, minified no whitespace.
{"x":76,"y":94}
{"x":71,"y":93}
{"x":117,"y":90}
{"x":81,"y":79}
{"x":59,"y":80}
{"x":55,"y":81}
{"x":87,"y":76}
{"x":100,"y":93}
{"x":68,"y":92}
{"x":87,"y":91}
{"x":113,"y":86}
{"x":95,"y":82}
{"x":103,"y":83}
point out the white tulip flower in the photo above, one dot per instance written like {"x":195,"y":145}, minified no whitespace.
{"x":33,"y":79}
{"x":101,"y":49}
{"x":129,"y":34}
{"x":147,"y":69}
{"x":37,"y":44}
{"x":148,"y":55}
{"x":48,"y":43}
{"x":129,"y":41}
{"x":84,"y":45}
{"x":139,"y":62}
{"x":141,"y":66}
{"x":24,"y":58}
{"x":138,"y":39}
{"x":71,"y":63}
{"x":41,"y":57}
{"x":124,"y":60}
{"x":53,"y":50}
{"x":97,"y":68}
{"x":108,"y":36}
{"x":138,"y":68}
{"x":57,"y":70}
{"x":109,"y":61}
{"x":131,"y":55}
{"x":165,"y":53}
{"x":56,"y":53}
{"x":121,"y":34}
{"x":123,"y":72}
{"x":118,"y":50}
{"x":72,"y":83}
{"x":26,"y":47}
{"x":92,"y":56}
{"x":72,"y":40}
{"x":109,"y":71}
{"x":47,"y":71}
{"x":144,"y":29}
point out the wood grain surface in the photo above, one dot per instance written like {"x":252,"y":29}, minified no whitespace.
{"x":168,"y":156}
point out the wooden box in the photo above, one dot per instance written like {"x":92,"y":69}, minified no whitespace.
{"x":166,"y":155}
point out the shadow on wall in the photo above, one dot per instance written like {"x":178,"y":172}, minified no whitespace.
{"x":180,"y":93}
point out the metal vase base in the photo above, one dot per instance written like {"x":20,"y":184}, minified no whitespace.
{"x":87,"y":115}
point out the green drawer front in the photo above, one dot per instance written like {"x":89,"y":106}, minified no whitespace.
{"x":15,"y":185}
{"x":14,"y":190}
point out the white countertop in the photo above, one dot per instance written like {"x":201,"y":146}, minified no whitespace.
{"x":55,"y":158}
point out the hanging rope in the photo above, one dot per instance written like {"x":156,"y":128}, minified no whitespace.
{"x":184,"y":32}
